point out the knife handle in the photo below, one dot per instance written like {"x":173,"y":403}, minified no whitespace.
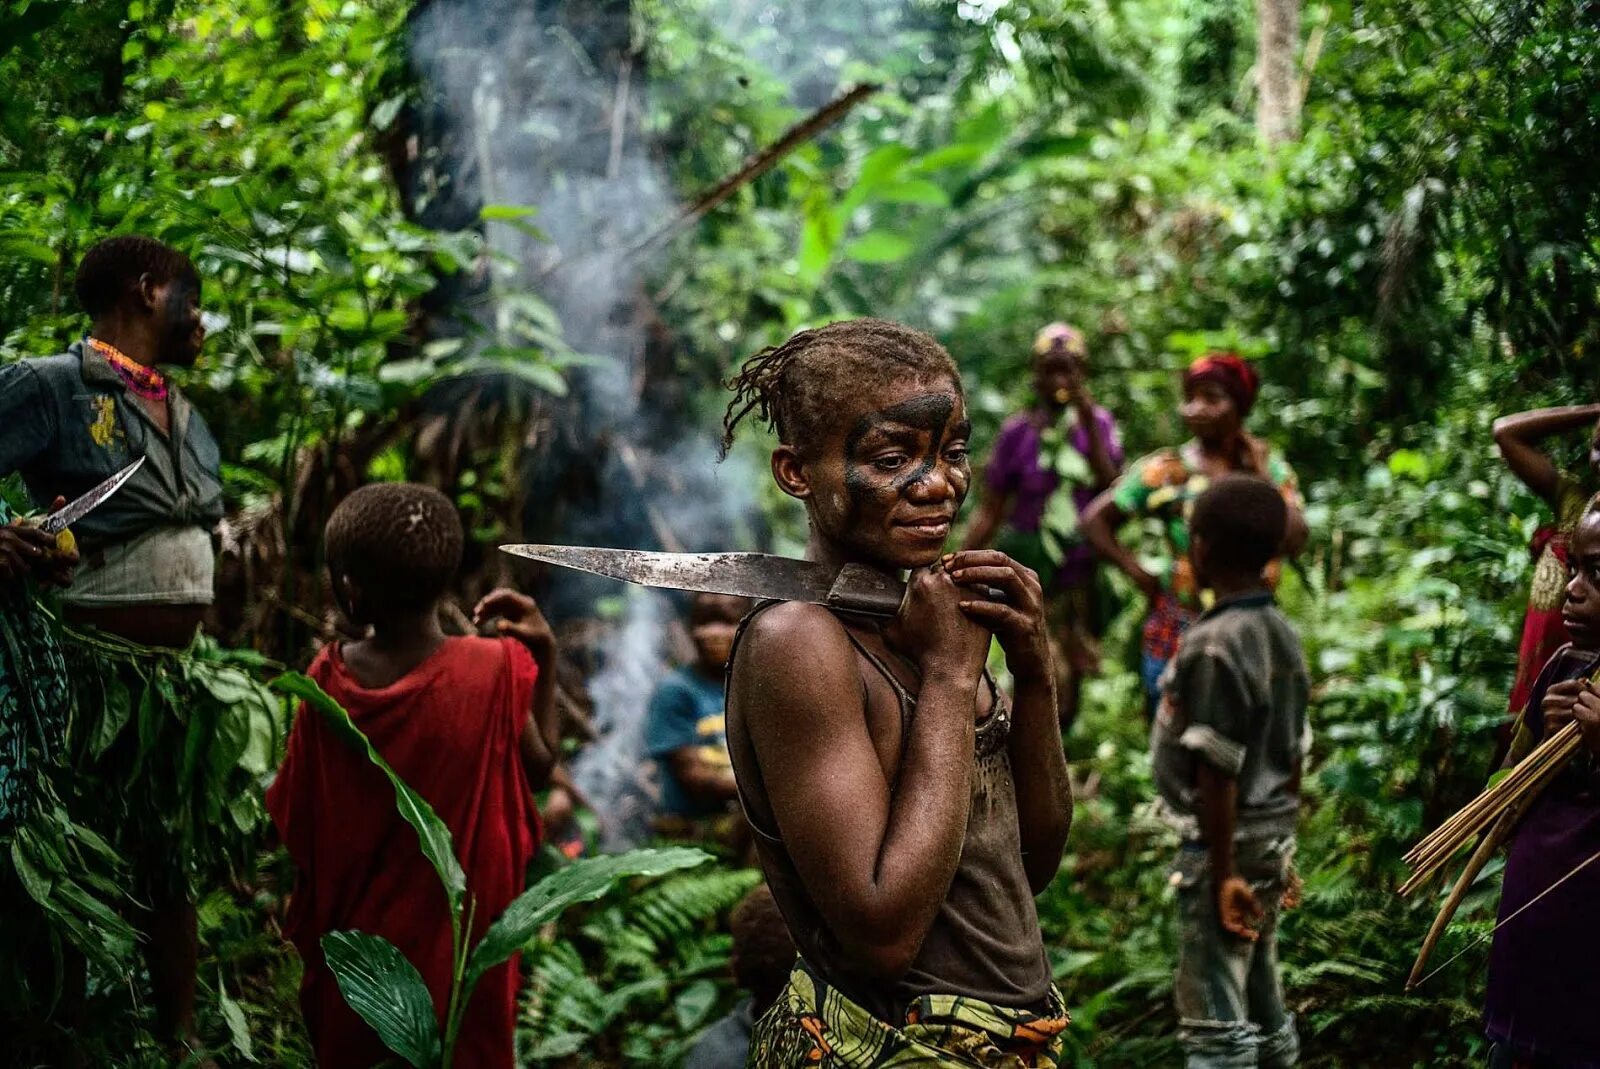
{"x":65,"y":542}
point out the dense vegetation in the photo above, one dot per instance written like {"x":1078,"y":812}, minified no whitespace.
{"x":1421,"y":258}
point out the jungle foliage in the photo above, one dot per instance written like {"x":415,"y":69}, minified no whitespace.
{"x":1420,"y":260}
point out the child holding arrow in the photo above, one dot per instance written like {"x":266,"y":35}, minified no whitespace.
{"x":1542,"y":974}
{"x":905,"y":814}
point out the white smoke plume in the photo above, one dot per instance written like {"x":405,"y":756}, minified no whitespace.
{"x":530,"y":119}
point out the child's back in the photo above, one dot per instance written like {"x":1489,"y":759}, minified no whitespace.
{"x":450,"y":729}
{"x":1236,"y":696}
{"x":463,"y":721}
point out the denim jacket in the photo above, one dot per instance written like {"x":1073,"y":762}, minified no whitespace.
{"x":67,"y":422}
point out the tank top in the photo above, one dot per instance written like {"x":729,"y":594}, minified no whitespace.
{"x":984,"y":942}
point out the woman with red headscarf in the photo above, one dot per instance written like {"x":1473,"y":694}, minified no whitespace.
{"x":1219,"y":389}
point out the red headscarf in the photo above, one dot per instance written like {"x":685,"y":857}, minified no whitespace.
{"x":1231,"y":372}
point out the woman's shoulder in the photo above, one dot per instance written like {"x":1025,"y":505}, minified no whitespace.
{"x":1161,"y":467}
{"x":1016,"y":427}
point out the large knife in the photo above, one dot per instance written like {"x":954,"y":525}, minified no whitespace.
{"x":853,"y":588}
{"x":80,"y":507}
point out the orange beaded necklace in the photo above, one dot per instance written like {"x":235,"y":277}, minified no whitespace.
{"x":147,"y":382}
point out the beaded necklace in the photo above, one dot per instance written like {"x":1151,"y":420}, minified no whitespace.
{"x":147,"y":382}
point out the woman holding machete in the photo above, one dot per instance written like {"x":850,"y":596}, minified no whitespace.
{"x":904,"y":814}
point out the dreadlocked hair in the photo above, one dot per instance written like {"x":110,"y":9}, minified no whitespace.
{"x":400,"y":543}
{"x":111,"y":269}
{"x":796,"y":387}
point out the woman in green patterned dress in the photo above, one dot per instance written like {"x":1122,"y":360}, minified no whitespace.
{"x":1219,"y":390}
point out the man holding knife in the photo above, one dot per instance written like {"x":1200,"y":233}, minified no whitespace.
{"x":69,"y":422}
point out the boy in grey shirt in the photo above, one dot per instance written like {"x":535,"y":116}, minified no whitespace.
{"x":1226,"y":747}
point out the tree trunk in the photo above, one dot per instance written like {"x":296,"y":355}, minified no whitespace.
{"x":1277,"y":68}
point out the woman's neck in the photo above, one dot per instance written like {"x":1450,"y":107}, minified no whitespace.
{"x":825,"y":550}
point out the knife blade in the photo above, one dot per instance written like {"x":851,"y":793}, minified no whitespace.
{"x":853,"y":587}
{"x":81,"y":506}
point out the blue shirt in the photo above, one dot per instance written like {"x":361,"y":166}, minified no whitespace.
{"x":686,"y":711}
{"x":68,"y":422}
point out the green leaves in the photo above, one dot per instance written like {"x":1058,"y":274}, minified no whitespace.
{"x":879,"y":247}
{"x":387,"y":991}
{"x":432,"y":835}
{"x":582,"y":881}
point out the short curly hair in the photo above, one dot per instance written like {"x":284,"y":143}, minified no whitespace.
{"x":111,"y":269}
{"x":797,"y":387}
{"x":399,"y":542}
{"x":1243,"y":520}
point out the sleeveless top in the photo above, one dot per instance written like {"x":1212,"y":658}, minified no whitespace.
{"x":984,"y":942}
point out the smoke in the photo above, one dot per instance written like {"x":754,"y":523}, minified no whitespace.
{"x":537,"y":103}
{"x":611,"y":771}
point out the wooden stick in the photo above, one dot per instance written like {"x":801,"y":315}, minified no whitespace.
{"x":759,"y":164}
{"x":1480,"y":857}
{"x":1530,"y":776}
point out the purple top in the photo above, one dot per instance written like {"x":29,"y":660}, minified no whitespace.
{"x":1543,"y":980}
{"x":1015,"y":470}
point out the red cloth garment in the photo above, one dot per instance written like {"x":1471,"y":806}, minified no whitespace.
{"x":1543,"y":629}
{"x":451,"y":729}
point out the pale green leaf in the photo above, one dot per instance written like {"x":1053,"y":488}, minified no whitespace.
{"x":879,"y":247}
{"x":387,"y":992}
{"x":233,"y":1017}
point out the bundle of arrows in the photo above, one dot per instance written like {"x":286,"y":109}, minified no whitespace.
{"x":1497,"y":809}
{"x":1530,"y":776}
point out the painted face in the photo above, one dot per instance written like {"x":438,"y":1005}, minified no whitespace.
{"x":889,"y":490}
{"x":1594,"y":449}
{"x":178,"y":314}
{"x":1581,"y":609}
{"x":1055,"y":377}
{"x":1209,"y":412}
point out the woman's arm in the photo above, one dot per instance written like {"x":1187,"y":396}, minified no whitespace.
{"x":1516,"y":435}
{"x":1038,"y":764}
{"x":1099,"y":524}
{"x":877,"y":862}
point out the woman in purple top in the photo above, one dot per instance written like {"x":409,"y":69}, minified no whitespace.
{"x":1544,"y":966}
{"x":1049,"y":462}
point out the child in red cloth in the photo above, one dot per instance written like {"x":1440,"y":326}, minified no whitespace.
{"x":468,"y":723}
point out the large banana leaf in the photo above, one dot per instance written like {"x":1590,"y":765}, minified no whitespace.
{"x":387,"y":991}
{"x":431,"y":831}
{"x":582,"y":881}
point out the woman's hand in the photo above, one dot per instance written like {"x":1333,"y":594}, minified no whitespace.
{"x":932,"y":629}
{"x":1586,"y":711}
{"x":1559,"y":704}
{"x":1018,"y":621}
{"x":26,"y":550}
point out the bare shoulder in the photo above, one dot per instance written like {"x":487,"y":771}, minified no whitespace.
{"x":778,"y":632}
{"x":792,"y":656}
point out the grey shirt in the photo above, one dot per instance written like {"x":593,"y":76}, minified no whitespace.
{"x":67,"y":422}
{"x":1235,"y":695}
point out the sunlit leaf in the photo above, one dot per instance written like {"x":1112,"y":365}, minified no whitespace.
{"x":387,"y":992}
{"x":879,"y":247}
